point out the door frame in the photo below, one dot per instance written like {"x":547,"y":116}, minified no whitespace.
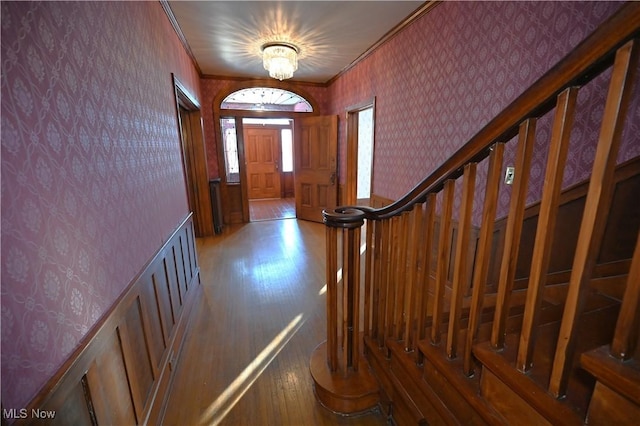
{"x":351,"y":179}
{"x":194,"y":159}
{"x":238,"y":115}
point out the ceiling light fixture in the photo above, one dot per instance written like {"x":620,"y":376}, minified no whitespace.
{"x":280,"y":59}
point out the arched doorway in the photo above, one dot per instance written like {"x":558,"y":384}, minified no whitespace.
{"x":255,"y":129}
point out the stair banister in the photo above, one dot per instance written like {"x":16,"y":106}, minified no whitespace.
{"x":398,"y":280}
{"x":342,"y":385}
{"x":589,"y":58}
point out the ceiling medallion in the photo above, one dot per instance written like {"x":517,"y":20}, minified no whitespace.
{"x":280,"y":59}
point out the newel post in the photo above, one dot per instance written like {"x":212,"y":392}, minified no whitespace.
{"x":341,"y":375}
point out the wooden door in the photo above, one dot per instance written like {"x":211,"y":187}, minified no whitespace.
{"x":316,"y":151}
{"x":195,"y":170}
{"x":262,"y":154}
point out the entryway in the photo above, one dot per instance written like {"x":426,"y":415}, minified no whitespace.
{"x":279,"y":208}
{"x":273,"y":146}
{"x":268,"y":147}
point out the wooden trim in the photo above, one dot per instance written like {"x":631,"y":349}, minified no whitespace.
{"x":597,"y":205}
{"x":230,"y":194}
{"x":557,"y":156}
{"x":581,"y":262}
{"x":245,"y":79}
{"x":271,"y":83}
{"x":483,"y":257}
{"x":352,"y":132}
{"x":513,"y":232}
{"x":378,"y":201}
{"x":418,"y":13}
{"x":351,"y":179}
{"x":122,"y":369}
{"x":425,"y":8}
{"x":176,"y":27}
{"x":584,"y":62}
{"x":444,"y":257}
{"x":461,"y":273}
{"x":194,"y":158}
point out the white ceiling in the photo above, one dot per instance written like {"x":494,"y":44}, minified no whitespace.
{"x":225,"y":37}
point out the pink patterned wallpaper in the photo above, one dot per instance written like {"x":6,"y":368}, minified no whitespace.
{"x":92,"y":181}
{"x":210,"y":88}
{"x":445,"y":76}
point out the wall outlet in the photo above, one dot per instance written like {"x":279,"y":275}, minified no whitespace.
{"x":509,"y":175}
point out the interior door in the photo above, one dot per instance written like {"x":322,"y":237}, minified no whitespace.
{"x":262,"y":154}
{"x":316,"y":152}
{"x":195,"y":170}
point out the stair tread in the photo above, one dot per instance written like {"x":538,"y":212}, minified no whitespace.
{"x":468,"y":387}
{"x":551,"y":408}
{"x":622,"y":376}
{"x":596,"y":324}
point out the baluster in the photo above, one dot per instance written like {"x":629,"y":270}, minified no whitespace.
{"x":354,"y":293}
{"x":350,"y":296}
{"x":460,"y":270}
{"x":368,"y":278}
{"x":596,"y":207}
{"x":424,"y":277}
{"x":336,"y":369}
{"x":391,"y":283}
{"x":378,"y":274}
{"x":384,"y":279}
{"x":526,"y":140}
{"x":411,"y":301}
{"x":560,"y":137}
{"x":401,"y":276}
{"x":626,"y":334}
{"x":444,"y":254}
{"x":483,"y":257}
{"x":332,"y":297}
{"x":346,"y":277}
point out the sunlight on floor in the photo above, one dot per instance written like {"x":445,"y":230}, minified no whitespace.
{"x":228,"y":399}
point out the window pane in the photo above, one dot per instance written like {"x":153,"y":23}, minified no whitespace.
{"x":230,"y":143}
{"x":266,"y":99}
{"x":365,"y":152}
{"x":287,"y":151}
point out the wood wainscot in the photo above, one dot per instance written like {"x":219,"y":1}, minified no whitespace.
{"x":121,"y":372}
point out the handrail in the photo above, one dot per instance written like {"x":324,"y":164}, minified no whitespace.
{"x":439,"y":287}
{"x":582,"y":64}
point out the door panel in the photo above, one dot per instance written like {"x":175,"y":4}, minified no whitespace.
{"x":195,"y":170}
{"x":316,"y":151}
{"x":262,"y":153}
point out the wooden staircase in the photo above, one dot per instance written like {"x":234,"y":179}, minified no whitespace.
{"x":529,"y":319}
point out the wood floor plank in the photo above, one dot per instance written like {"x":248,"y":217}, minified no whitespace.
{"x":245,"y":359}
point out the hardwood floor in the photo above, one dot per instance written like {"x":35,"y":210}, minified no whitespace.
{"x":280,"y":208}
{"x":245,"y":359}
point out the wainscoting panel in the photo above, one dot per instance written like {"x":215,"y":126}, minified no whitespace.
{"x":122,"y":372}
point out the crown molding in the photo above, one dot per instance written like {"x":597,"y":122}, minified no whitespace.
{"x":174,"y":23}
{"x":425,"y":8}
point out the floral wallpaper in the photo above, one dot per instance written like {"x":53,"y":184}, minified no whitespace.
{"x":441,"y":79}
{"x":92,"y":180}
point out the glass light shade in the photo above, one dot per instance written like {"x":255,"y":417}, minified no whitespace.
{"x":281,"y":60}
